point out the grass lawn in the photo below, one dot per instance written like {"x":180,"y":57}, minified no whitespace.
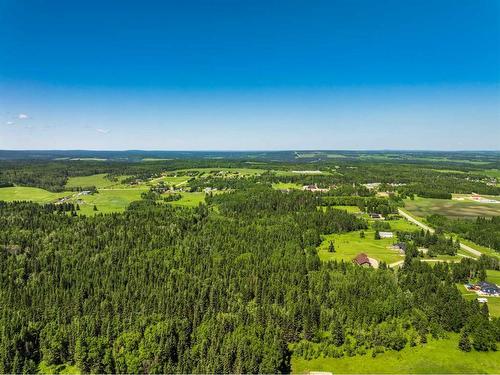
{"x":37,"y":195}
{"x":493,"y":276}
{"x":286,"y":185}
{"x":483,"y":249}
{"x":422,"y":207}
{"x":435,"y":357}
{"x":348,"y":245}
{"x":189,"y":199}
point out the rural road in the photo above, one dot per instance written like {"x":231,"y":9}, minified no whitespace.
{"x":426,"y":227}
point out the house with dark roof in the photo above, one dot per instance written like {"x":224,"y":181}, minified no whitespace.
{"x":362,"y":260}
{"x":400,"y":246}
{"x":488,"y":288}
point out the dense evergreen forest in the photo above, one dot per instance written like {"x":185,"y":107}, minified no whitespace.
{"x":234,"y":289}
{"x":235,"y":284}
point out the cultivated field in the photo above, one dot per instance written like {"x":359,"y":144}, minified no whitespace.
{"x":422,"y":207}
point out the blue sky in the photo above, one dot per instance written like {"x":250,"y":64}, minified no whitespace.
{"x":250,"y":75}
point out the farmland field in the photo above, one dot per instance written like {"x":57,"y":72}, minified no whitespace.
{"x":435,"y":357}
{"x":422,"y":207}
{"x":37,"y":195}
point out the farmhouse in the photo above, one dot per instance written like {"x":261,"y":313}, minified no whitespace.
{"x":362,"y":260}
{"x":385,"y":234}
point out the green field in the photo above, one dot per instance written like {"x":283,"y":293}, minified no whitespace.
{"x":108,"y":201}
{"x":286,"y":185}
{"x":435,"y":357}
{"x":422,"y":207}
{"x":350,"y":209}
{"x":37,"y":195}
{"x":348,"y":245}
{"x":189,"y":199}
{"x":493,"y":276}
{"x":97,"y":180}
{"x":64,"y":369}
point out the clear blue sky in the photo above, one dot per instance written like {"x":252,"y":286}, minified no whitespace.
{"x":250,"y":74}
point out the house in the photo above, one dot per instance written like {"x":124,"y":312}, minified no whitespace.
{"x":313,"y":188}
{"x":385,"y":234}
{"x":208,"y":190}
{"x":400,"y":246}
{"x":488,"y":288}
{"x":362,"y":260}
{"x":376,"y":216}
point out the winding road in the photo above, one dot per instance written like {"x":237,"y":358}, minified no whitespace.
{"x":426,"y":227}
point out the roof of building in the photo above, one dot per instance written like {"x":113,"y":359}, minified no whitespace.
{"x":361,"y":259}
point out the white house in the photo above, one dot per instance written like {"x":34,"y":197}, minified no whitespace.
{"x":385,"y":234}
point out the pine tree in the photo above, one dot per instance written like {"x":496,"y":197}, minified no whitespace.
{"x":464,"y":343}
{"x":338,"y":336}
{"x":485,"y":310}
{"x":80,"y":355}
{"x":331,"y":247}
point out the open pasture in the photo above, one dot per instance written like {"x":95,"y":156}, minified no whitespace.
{"x":107,"y":201}
{"x":37,"y":195}
{"x":286,"y":185}
{"x":422,"y":207}
{"x":436,"y":357}
{"x":98,"y":180}
{"x":189,"y":199}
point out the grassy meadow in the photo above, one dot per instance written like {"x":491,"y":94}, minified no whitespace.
{"x":189,"y":199}
{"x":348,"y":245}
{"x":286,"y":185}
{"x":435,"y":357}
{"x":37,"y":195}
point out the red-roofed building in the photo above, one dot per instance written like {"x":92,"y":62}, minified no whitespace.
{"x":362,"y":260}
